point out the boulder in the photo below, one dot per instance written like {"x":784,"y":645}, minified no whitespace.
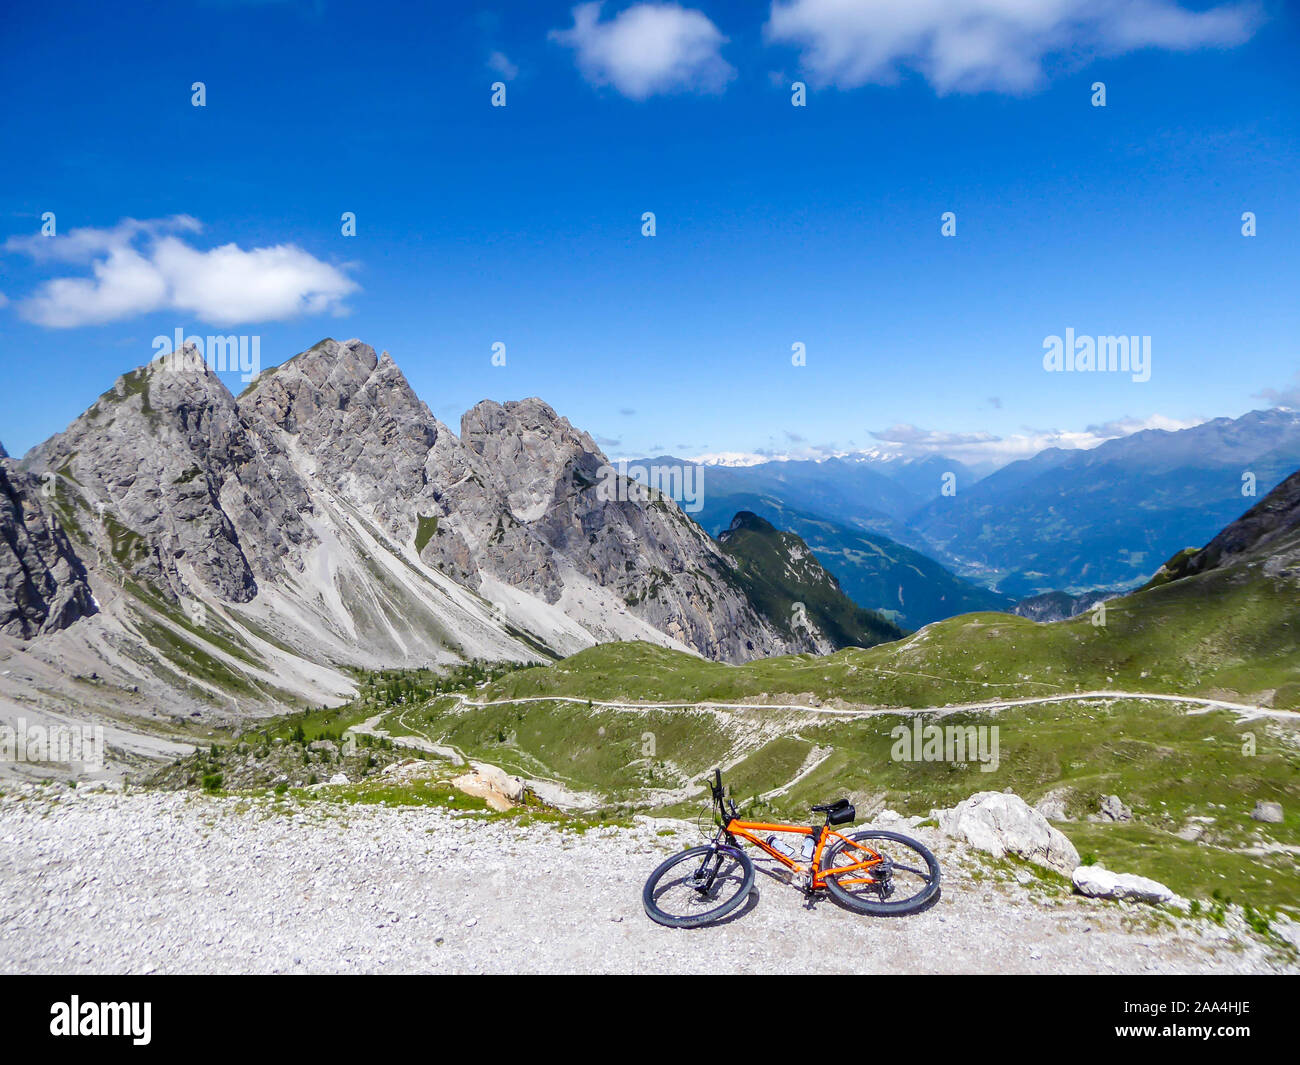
{"x":1268,"y":812}
{"x":1002,"y":823}
{"x":1052,"y":805}
{"x":1113,"y":809}
{"x":1099,"y":883}
{"x":494,"y":785}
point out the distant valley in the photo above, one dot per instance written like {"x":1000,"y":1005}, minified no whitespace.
{"x":1061,"y":521}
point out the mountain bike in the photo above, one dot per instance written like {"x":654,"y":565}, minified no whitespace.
{"x":873,"y":871}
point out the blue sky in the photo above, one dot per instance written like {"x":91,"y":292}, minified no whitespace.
{"x":775,"y":224}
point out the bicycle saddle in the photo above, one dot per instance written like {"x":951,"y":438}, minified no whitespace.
{"x":839,"y":812}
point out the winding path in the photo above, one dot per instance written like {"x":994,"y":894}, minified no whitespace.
{"x":1246,"y":710}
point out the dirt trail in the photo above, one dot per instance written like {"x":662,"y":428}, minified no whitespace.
{"x":563,"y":794}
{"x":1247,"y":710}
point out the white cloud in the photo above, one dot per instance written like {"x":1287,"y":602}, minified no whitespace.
{"x":228,"y":284}
{"x":1288,"y":397}
{"x":989,"y":449}
{"x":499,"y":63}
{"x":85,"y":244}
{"x":982,"y":450}
{"x":124,"y":283}
{"x":142,"y":266}
{"x":647,"y":49}
{"x":975,"y":45}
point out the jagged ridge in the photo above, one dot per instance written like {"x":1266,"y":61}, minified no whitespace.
{"x":246,"y":551}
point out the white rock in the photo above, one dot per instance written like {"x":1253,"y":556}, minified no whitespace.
{"x":339,"y":778}
{"x":1100,"y":883}
{"x":1052,"y":805}
{"x":1269,"y":812}
{"x":1113,"y":809}
{"x":1287,"y":929}
{"x":1002,"y":823}
{"x":494,"y":785}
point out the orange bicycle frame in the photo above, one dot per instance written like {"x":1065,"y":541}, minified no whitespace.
{"x":746,"y":830}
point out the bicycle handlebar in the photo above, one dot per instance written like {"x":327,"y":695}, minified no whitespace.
{"x":720,"y":797}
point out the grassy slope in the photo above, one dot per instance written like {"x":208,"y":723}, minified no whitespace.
{"x":1212,"y":635}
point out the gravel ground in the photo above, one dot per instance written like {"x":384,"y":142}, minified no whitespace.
{"x":150,"y":881}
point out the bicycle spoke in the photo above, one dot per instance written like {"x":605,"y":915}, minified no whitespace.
{"x":695,"y":888}
{"x":880,"y":872}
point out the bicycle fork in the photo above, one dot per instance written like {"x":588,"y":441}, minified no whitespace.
{"x":705,"y":878}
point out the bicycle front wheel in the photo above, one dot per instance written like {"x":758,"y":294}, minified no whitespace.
{"x":698,"y":886}
{"x":880,"y":873}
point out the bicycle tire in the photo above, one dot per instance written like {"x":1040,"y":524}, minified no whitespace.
{"x":694,"y":920}
{"x":882,"y":908}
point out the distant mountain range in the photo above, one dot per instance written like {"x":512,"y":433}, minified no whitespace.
{"x":1064,"y":520}
{"x":874,"y":493}
{"x":1108,"y":517}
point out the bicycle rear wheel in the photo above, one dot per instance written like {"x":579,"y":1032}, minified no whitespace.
{"x":698,"y":886}
{"x":880,"y":873}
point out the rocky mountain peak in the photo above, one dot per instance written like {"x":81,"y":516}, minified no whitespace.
{"x":185,"y":496}
{"x":532,"y":450}
{"x":501,"y":430}
{"x":320,"y":382}
{"x":361,"y":433}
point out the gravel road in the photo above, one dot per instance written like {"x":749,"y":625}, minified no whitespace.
{"x":149,"y":881}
